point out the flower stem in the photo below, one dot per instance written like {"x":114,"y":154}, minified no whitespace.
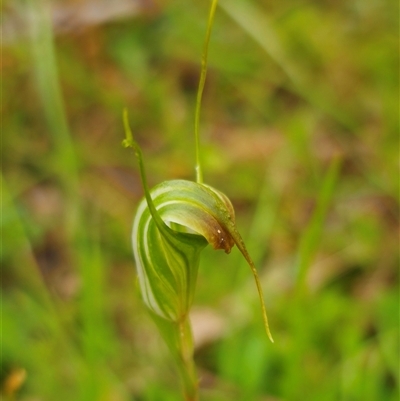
{"x":204,"y":59}
{"x":179,"y":339}
{"x":187,"y":366}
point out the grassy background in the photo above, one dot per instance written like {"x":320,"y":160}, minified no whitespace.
{"x":299,"y":129}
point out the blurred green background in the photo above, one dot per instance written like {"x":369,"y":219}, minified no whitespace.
{"x":299,"y":128}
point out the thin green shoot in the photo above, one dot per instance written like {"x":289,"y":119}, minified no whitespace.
{"x":203,"y":74}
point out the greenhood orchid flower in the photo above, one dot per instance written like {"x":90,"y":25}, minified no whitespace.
{"x":174,"y":222}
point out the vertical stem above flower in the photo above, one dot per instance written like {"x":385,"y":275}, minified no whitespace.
{"x":204,"y":60}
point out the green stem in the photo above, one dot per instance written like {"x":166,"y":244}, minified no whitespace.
{"x":187,"y":366}
{"x":199,"y":172}
{"x":179,"y":339}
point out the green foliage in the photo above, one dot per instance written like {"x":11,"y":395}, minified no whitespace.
{"x":71,"y":317}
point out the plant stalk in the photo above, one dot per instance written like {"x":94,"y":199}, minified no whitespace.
{"x":204,"y":60}
{"x":187,"y":366}
{"x":179,"y":339}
